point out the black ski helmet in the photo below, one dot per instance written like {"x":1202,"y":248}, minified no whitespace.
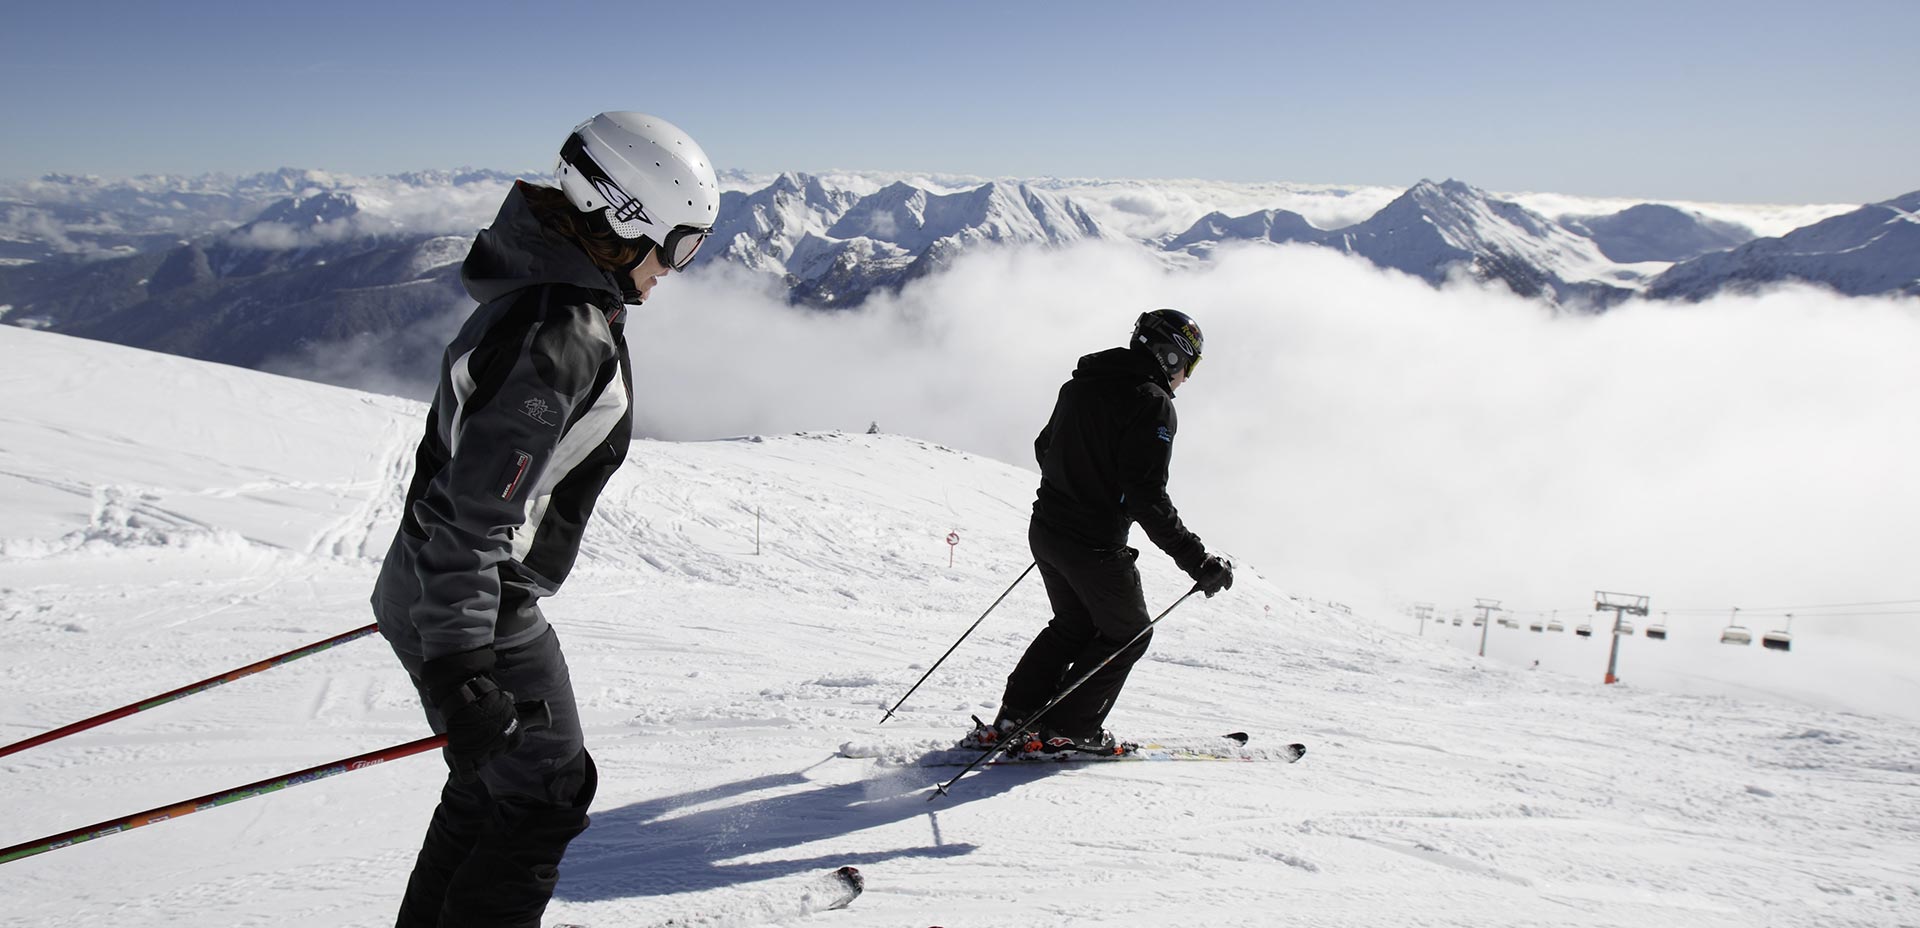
{"x":1172,"y":337}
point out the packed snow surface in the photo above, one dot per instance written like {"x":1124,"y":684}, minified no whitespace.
{"x":745,"y":607}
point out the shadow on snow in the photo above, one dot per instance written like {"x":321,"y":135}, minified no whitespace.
{"x":651,"y":848}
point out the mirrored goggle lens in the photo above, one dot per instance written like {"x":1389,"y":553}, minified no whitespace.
{"x":1193,"y":364}
{"x":683,"y":244}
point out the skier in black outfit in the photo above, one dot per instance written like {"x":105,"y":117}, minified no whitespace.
{"x":1103,"y":466}
{"x":530,"y":420}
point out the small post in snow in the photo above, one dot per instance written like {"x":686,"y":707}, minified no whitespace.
{"x":953,"y":541}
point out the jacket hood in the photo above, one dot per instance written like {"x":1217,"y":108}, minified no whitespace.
{"x":517,"y":252}
{"x":1123,"y":362}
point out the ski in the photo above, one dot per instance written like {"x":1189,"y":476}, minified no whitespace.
{"x":835,"y":889}
{"x":1232,"y":747}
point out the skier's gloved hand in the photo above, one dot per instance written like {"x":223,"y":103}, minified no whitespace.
{"x":480,"y":717}
{"x":1213,"y":575}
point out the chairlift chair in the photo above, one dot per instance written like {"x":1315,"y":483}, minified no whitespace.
{"x":1584,"y":631}
{"x":1779,"y":639}
{"x":1657,"y":632}
{"x":1556,"y":626}
{"x":1535,"y":626}
{"x":1625,"y":629}
{"x":1456,"y":620}
{"x":1735,"y":634}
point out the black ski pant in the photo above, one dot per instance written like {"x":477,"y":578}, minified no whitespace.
{"x":1097,"y":608}
{"x":491,"y":856}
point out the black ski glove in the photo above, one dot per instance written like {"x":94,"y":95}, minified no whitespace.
{"x":1213,"y":575}
{"x":480,"y":717}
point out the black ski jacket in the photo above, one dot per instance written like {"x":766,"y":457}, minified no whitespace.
{"x":529,"y":421}
{"x":1104,"y":455}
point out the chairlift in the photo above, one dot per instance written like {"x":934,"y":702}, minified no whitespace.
{"x":1479,"y":622}
{"x":1509,"y":623}
{"x":1535,"y":626}
{"x":1735,"y":634}
{"x":1456,"y":620}
{"x":1657,"y":632}
{"x":1624,"y":629}
{"x":1556,"y":626}
{"x":1779,"y":639}
{"x":1583,"y":630}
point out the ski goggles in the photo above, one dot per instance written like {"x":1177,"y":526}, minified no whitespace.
{"x":681,"y":245}
{"x":1190,"y":334}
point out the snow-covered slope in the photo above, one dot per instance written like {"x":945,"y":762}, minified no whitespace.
{"x":744,"y":607}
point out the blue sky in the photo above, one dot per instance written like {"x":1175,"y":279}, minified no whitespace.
{"x":1746,"y":102}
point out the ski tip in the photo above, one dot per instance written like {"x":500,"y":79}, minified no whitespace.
{"x":1297,"y":749}
{"x":1239,"y":736}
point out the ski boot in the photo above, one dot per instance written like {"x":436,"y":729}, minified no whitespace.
{"x":984,"y":736}
{"x":1100,"y":743}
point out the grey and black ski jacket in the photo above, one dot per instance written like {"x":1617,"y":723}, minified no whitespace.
{"x":529,"y":421}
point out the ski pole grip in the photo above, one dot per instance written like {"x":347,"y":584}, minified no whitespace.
{"x":534,"y":714}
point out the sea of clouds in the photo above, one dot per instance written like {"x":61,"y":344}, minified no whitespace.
{"x":1353,"y":431}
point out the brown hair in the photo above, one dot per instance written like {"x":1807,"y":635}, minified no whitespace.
{"x":609,"y":252}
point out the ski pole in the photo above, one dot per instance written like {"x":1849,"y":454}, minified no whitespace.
{"x":188,"y":690}
{"x":1002,"y":744}
{"x":533,"y":714}
{"x":963,"y":637}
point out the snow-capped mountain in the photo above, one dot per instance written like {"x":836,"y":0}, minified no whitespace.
{"x":90,"y":218}
{"x":1272,"y":225}
{"x":311,"y":210}
{"x":1874,"y":249}
{"x":1657,"y":232}
{"x":258,"y":269}
{"x":1435,"y":230}
{"x":761,"y":230}
{"x":999,"y":212}
{"x":309,"y":271}
{"x":882,"y":240}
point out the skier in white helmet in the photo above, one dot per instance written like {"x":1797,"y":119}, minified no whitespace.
{"x":529,"y":421}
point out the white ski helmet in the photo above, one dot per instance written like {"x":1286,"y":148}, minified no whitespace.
{"x":648,"y":180}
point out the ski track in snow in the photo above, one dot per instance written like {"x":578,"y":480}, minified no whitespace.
{"x":717,"y":683}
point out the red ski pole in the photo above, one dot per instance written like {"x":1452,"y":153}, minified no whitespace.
{"x":533,"y":715}
{"x":188,"y":690}
{"x":211,"y":800}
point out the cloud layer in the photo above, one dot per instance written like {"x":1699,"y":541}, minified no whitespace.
{"x":1354,"y":431}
